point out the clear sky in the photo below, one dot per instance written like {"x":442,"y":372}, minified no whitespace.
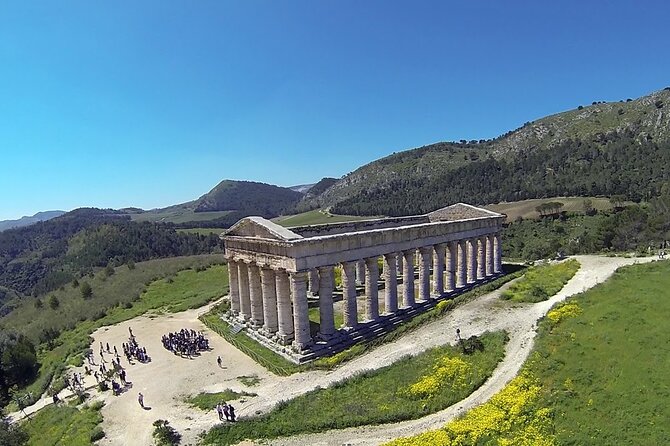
{"x":152,"y":103}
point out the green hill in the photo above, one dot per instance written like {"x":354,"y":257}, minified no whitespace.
{"x":606,"y":148}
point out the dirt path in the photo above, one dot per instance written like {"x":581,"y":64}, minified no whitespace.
{"x":167,"y":379}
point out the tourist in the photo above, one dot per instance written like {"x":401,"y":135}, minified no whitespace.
{"x":140,"y":399}
{"x":219,"y":411}
{"x":185,"y":342}
{"x":231,"y":413}
{"x":218,"y":361}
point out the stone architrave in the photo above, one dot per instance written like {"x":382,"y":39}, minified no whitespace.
{"x":313,"y":284}
{"x":408,"y":279}
{"x":284,"y":308}
{"x":371,"y":289}
{"x":349,"y":294}
{"x":438,"y":269}
{"x":461,"y":272}
{"x":360,"y":272}
{"x":452,"y":251}
{"x":245,"y":302}
{"x":233,"y":287}
{"x":302,"y":337}
{"x":255,"y":295}
{"x":472,"y":260}
{"x":326,"y":316}
{"x":269,"y":286}
{"x":489,"y":255}
{"x":497,"y":254}
{"x":390,"y":284}
{"x":481,"y":258}
{"x":425,"y":258}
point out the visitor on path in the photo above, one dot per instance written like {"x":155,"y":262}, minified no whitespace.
{"x":140,"y":399}
{"x":231,"y":413}
{"x":219,"y":411}
{"x":226,"y":411}
{"x":130,"y":330}
{"x":218,"y":361}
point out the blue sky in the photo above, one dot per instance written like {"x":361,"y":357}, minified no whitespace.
{"x":152,"y":103}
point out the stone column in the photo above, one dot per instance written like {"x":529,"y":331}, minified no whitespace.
{"x":349,"y":294}
{"x":489,"y":255}
{"x":461,"y":273}
{"x":425,"y":259}
{"x":243,"y":279}
{"x":256,"y":295}
{"x":303,"y":337}
{"x":326,"y":316}
{"x":284,"y":309}
{"x":233,"y":287}
{"x":313,"y":284}
{"x":481,"y":258}
{"x":452,"y":252}
{"x":472,"y":260}
{"x":268,"y":283}
{"x":390,"y":284}
{"x":360,"y":272}
{"x":408,"y":279}
{"x":399,"y":263}
{"x":438,"y":269}
{"x":371,"y":289}
{"x":497,"y":254}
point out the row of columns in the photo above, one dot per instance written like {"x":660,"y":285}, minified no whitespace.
{"x":275,"y":300}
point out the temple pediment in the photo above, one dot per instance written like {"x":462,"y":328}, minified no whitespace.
{"x":260,"y":227}
{"x":461,"y":211}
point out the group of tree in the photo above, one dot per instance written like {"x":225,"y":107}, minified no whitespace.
{"x":549,"y":209}
{"x":18,"y":363}
{"x":42,"y":257}
{"x":616,"y":163}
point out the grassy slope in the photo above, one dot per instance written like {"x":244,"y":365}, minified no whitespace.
{"x":64,"y":425}
{"x":315,"y":217}
{"x":124,"y":286}
{"x":526,"y":208}
{"x":541,"y":282}
{"x":208,"y":401}
{"x":203,"y":231}
{"x":380,"y":396}
{"x":178,"y":215}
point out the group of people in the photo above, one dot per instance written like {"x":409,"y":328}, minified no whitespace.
{"x":185,"y":342}
{"x":132,"y":349}
{"x":225,"y":410}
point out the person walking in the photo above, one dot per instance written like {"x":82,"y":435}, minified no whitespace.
{"x":218,"y":361}
{"x":140,"y":399}
{"x":219,"y":410}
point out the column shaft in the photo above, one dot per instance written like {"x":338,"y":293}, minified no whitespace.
{"x":349,"y":294}
{"x":326,"y":316}
{"x":481,"y":257}
{"x":313,"y":284}
{"x":438,"y":269}
{"x":360,"y":272}
{"x":408,"y":279}
{"x":284,"y":309}
{"x":243,"y":279}
{"x":303,"y":337}
{"x":425,"y":258}
{"x":371,"y":289}
{"x":390,"y":284}
{"x":268,"y":283}
{"x":399,"y":263}
{"x":233,"y":287}
{"x":452,"y":251}
{"x":255,"y":295}
{"x":497,"y":254}
{"x":461,"y":273}
{"x":472,"y":260}
{"x":489,"y":255}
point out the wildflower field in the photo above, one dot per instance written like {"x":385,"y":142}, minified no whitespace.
{"x":598,"y":374}
{"x":541,"y":282}
{"x":410,"y":388}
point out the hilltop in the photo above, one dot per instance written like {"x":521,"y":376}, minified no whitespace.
{"x":605,"y":148}
{"x":29,"y":220}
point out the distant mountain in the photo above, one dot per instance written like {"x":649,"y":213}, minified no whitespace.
{"x":606,"y":148}
{"x":302,"y":188}
{"x":26,"y":221}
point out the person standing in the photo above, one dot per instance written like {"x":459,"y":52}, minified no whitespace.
{"x":140,"y":399}
{"x":218,"y":361}
{"x":219,"y":411}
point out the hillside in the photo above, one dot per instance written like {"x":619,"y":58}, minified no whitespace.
{"x":27,"y":221}
{"x":224,"y":205}
{"x":599,"y":149}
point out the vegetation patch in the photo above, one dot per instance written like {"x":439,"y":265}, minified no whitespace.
{"x":598,"y":373}
{"x":65,"y":425}
{"x":249,"y":380}
{"x":208,"y":401}
{"x":164,"y":434}
{"x":541,"y":282}
{"x":382,"y":396}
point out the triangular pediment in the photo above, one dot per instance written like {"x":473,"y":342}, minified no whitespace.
{"x":259,"y":227}
{"x":461,"y":211}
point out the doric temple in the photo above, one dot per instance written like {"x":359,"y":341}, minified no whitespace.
{"x":277,"y":274}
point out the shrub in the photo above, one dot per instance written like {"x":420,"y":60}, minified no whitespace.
{"x":165,"y":434}
{"x":97,"y":434}
{"x":86,"y":290}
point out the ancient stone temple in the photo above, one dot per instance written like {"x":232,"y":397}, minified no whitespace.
{"x":389,"y":270}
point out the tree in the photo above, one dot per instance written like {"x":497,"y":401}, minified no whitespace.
{"x":12,"y":434}
{"x":86,"y":290}
{"x":618,"y":202}
{"x":109,"y":270}
{"x":18,"y":363}
{"x":587,"y":206}
{"x":53,"y":302}
{"x":131,"y":265}
{"x":75,"y":283}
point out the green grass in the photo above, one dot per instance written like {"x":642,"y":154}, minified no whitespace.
{"x":316,"y":217}
{"x":541,"y":282}
{"x":203,"y":231}
{"x":64,"y":425}
{"x":175,"y":214}
{"x":380,"y":396}
{"x":526,"y":208}
{"x":186,"y":289}
{"x":249,"y":380}
{"x":208,"y":401}
{"x":605,"y":373}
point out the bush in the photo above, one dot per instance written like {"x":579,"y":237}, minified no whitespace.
{"x":164,"y":434}
{"x":86,"y":290}
{"x":53,"y":302}
{"x":97,"y":434}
